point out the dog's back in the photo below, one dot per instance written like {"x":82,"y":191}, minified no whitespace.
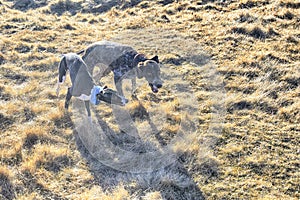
{"x":82,"y":82}
{"x":124,"y":61}
{"x":104,"y":52}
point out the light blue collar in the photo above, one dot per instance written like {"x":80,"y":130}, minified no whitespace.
{"x":96,"y":90}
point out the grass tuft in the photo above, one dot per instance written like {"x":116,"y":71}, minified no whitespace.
{"x":255,"y":32}
{"x":7,"y":189}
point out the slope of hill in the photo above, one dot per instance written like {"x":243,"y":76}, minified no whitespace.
{"x":228,"y":111}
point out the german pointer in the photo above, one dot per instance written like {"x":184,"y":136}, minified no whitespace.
{"x":83,"y":86}
{"x":124,"y":62}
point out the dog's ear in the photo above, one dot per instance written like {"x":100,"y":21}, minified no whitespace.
{"x":155,"y":58}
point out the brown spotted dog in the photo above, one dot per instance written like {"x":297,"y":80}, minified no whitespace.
{"x":124,"y":62}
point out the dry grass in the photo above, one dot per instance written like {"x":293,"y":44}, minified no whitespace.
{"x":239,"y":59}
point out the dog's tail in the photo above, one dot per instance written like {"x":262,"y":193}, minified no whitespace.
{"x":62,"y":69}
{"x":80,"y":52}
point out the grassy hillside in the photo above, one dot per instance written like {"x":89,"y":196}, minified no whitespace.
{"x":229,"y":107}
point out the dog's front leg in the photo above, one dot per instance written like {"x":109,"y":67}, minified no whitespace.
{"x":87,"y":106}
{"x":68,"y":98}
{"x":133,"y":87}
{"x":118,"y":84}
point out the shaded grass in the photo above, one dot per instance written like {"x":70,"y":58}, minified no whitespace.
{"x":7,"y":189}
{"x":255,"y":32}
{"x":5,"y":121}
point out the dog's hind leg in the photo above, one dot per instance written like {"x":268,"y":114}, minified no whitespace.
{"x":91,"y":70}
{"x":87,"y":106}
{"x":102,"y":71}
{"x":68,"y":98}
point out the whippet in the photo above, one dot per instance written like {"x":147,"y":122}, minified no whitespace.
{"x":124,"y":62}
{"x":83,"y":86}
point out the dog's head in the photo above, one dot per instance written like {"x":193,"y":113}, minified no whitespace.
{"x":150,"y":69}
{"x":112,"y":97}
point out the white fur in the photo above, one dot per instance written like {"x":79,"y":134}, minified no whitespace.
{"x":123,"y":100}
{"x":63,"y":80}
{"x":84,"y":97}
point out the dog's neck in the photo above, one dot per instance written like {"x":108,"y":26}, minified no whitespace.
{"x":138,"y":58}
{"x":139,"y":70}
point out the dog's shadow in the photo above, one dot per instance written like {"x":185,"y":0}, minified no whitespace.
{"x":172,"y":181}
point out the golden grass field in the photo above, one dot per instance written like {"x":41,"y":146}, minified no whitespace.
{"x":238,"y":61}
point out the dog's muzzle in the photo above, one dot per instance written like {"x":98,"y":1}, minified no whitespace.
{"x":112,"y":97}
{"x":155,"y":87}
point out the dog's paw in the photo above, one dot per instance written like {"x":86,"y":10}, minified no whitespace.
{"x":66,"y":112}
{"x":57,"y":91}
{"x":89,"y":120}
